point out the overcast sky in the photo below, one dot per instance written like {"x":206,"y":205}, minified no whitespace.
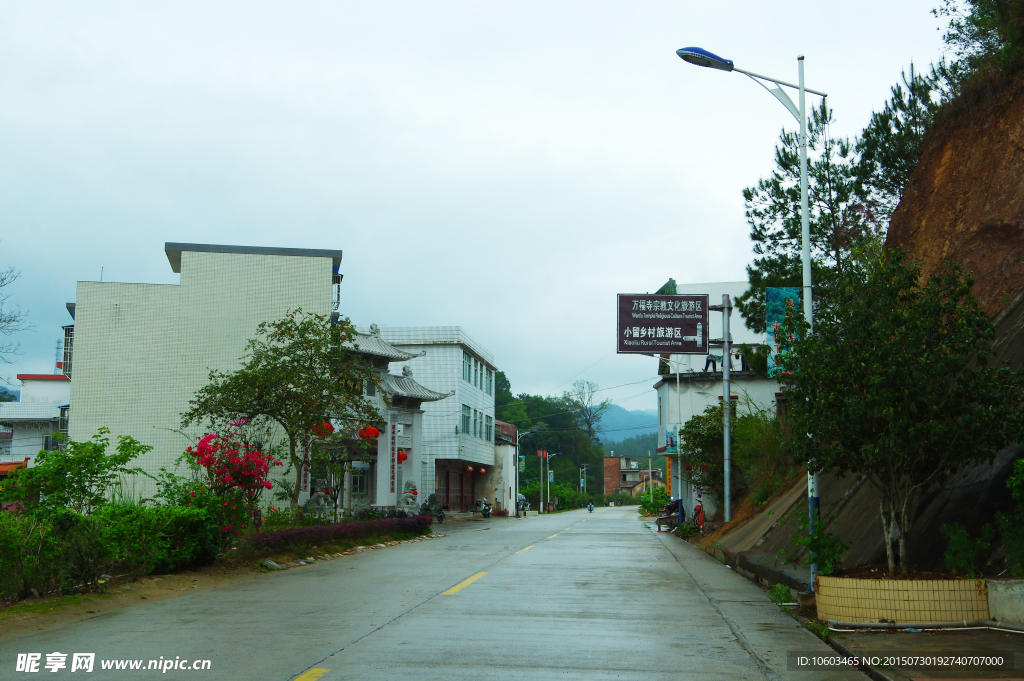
{"x":507,"y":167}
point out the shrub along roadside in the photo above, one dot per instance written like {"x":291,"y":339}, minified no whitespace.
{"x":68,"y":552}
{"x":283,"y":541}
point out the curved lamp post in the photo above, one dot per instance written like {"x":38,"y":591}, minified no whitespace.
{"x":701,"y":57}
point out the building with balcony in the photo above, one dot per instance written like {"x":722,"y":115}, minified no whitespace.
{"x":34,"y":422}
{"x":141,"y":351}
{"x":628,"y":477}
{"x":458,"y":432}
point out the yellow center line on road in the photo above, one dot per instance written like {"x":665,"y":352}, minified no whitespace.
{"x":463,"y":584}
{"x":312,"y":675}
{"x":553,"y":536}
{"x":525,"y":549}
{"x":567,"y":529}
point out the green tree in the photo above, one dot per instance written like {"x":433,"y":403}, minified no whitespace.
{"x":982,"y":32}
{"x":701,"y":445}
{"x":298,"y":372}
{"x":506,"y":407}
{"x":586,"y":411}
{"x":78,"y":476}
{"x":842,"y":221}
{"x":890,"y":145}
{"x":654,"y":505}
{"x":893,"y":385}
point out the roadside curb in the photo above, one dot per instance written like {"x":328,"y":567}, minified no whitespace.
{"x":271,"y":565}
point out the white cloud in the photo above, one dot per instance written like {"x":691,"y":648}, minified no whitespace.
{"x":533,"y":159}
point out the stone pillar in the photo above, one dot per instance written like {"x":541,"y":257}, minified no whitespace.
{"x":387,"y":462}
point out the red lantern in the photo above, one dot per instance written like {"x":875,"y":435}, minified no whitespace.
{"x":369,"y":433}
{"x":469,"y":469}
{"x":322,"y":430}
{"x":402,"y":456}
{"x":482,"y":471}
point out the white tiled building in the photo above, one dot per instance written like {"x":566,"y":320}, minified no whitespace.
{"x":458,"y":432}
{"x":141,"y":351}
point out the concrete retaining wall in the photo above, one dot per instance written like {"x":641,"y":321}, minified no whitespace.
{"x":1006,"y":600}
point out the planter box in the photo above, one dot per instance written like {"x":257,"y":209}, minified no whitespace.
{"x":846,"y":599}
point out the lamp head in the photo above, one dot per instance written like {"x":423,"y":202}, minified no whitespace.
{"x":701,"y":57}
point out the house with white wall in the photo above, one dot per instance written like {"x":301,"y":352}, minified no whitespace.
{"x":141,"y":351}
{"x":458,"y":432}
{"x":38,"y":417}
{"x":688,"y":384}
{"x":390,"y":473}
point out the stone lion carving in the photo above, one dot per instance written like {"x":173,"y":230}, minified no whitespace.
{"x":409,"y":495}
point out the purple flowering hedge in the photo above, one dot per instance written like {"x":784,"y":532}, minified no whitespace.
{"x":277,"y":540}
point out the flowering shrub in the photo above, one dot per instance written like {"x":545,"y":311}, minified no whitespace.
{"x":236,"y":474}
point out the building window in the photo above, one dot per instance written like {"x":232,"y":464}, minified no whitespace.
{"x":476,"y":373}
{"x":467,"y":367}
{"x":359,"y":483}
{"x":490,"y":382}
{"x":63,"y":425}
{"x":476,"y":422}
{"x":465,"y":419}
{"x":489,"y":429}
{"x":69,"y":344}
{"x":371,"y":389}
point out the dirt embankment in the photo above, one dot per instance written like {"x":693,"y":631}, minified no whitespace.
{"x":965,"y":201}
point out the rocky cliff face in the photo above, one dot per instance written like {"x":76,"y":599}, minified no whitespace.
{"x":965,"y":202}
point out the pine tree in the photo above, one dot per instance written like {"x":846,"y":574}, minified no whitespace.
{"x":843,"y":223}
{"x":890,"y":145}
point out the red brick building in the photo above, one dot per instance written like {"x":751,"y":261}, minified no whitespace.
{"x":625,"y":476}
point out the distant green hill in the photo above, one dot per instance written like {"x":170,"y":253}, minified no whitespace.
{"x":619,"y":424}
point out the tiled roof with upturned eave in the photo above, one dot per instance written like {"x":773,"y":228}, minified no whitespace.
{"x":372,"y":344}
{"x":407,"y":387}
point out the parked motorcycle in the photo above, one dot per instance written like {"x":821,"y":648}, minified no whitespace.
{"x":440,"y":513}
{"x":485,"y":507}
{"x":590,"y":507}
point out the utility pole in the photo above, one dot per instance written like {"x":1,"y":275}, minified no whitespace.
{"x":727,"y":397}
{"x":540,"y":475}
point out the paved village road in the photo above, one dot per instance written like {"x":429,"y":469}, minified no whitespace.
{"x":567,"y":596}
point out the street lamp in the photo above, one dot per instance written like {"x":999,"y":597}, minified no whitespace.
{"x":701,"y":57}
{"x":517,"y":468}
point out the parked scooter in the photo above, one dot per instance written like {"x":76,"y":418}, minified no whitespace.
{"x":440,"y":513}
{"x":590,"y":505}
{"x":485,"y":507}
